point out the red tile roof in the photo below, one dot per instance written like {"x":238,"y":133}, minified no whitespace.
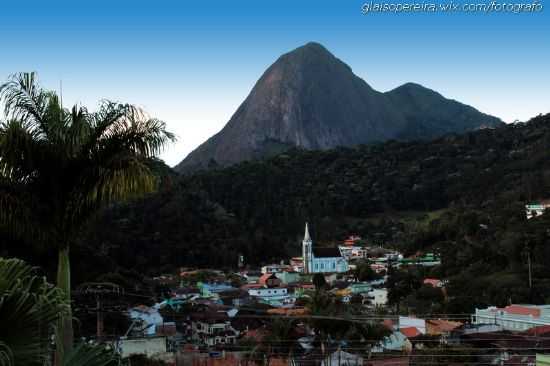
{"x":538,"y":331}
{"x":410,"y":332}
{"x":433,"y":282}
{"x":522,"y":310}
{"x":439,"y":326}
{"x":268,"y":276}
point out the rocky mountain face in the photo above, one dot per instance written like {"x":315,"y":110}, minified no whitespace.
{"x":310,"y":99}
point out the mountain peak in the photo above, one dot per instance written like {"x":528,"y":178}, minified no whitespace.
{"x":312,"y":53}
{"x":413,"y":88}
{"x":310,"y":99}
{"x":313,"y":46}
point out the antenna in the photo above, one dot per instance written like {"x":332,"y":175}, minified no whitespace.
{"x":61,"y":93}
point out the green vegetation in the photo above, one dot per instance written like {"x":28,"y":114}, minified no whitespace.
{"x":58,"y":167}
{"x":325,"y":309}
{"x":364,"y":272}
{"x":319,"y":281}
{"x":29,"y":310}
{"x":460,"y":196}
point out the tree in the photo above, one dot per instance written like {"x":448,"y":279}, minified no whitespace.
{"x":319,"y":281}
{"x":364,"y":272}
{"x":401,"y":283}
{"x":280,"y":339}
{"x":29,"y":309}
{"x":58,"y":167}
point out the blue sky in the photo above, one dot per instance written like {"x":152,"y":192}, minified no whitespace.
{"x":192,"y":63}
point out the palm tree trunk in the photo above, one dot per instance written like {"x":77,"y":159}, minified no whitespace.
{"x":64,"y":342}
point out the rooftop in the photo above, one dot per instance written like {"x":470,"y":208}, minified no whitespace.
{"x":410,"y":332}
{"x":326,"y":252}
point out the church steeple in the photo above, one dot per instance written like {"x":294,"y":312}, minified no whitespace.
{"x":307,"y":252}
{"x":306,"y":235}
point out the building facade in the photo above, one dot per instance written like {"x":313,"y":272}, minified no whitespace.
{"x":321,"y":260}
{"x":514,"y":317}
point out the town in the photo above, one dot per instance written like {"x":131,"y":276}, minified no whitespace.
{"x":274,"y":183}
{"x":307,"y":310}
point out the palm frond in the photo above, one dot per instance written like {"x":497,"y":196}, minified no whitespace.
{"x":129,"y":128}
{"x":6,"y":355}
{"x":91,"y":355}
{"x":77,"y":131}
{"x":28,"y":308}
{"x":24,"y":100}
{"x":19,"y":213}
{"x":20,"y":151}
{"x":123,"y":177}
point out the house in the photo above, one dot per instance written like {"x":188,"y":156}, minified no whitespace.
{"x":396,"y":341}
{"x":211,"y":289}
{"x":288,"y":276}
{"x":540,"y":331}
{"x":410,"y":332}
{"x":353,"y":252}
{"x":343,"y":358}
{"x":351,"y":240}
{"x":445,"y":330}
{"x":441,"y":327}
{"x":428,"y":260}
{"x":252,"y":276}
{"x":270,"y":290}
{"x":167,"y":329}
{"x":434,"y":282}
{"x":269,"y":280}
{"x":148,"y":316}
{"x":148,"y":346}
{"x":274,"y":268}
{"x":537,"y":209}
{"x":378,"y":296}
{"x":407,"y":322}
{"x":297,"y":264}
{"x":360,"y":288}
{"x":268,"y":293}
{"x":213,"y":328}
{"x":235,"y":297}
{"x":321,"y":260}
{"x":514,"y":317}
{"x":378,"y":268}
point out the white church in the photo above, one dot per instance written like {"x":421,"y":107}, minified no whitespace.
{"x":321,"y":260}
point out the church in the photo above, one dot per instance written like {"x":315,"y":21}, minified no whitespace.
{"x":321,"y":260}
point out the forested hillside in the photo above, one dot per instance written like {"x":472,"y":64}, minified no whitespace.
{"x":461,"y":195}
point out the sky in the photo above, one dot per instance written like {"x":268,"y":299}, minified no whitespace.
{"x":192,"y":62}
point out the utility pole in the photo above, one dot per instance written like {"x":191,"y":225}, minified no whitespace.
{"x":529,"y":266}
{"x":99,"y":319}
{"x":99,"y":290}
{"x":527,"y":249}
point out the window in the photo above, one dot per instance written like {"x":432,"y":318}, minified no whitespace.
{"x":333,"y":265}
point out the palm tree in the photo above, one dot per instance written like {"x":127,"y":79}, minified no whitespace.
{"x":279,"y":342}
{"x":58,"y":167}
